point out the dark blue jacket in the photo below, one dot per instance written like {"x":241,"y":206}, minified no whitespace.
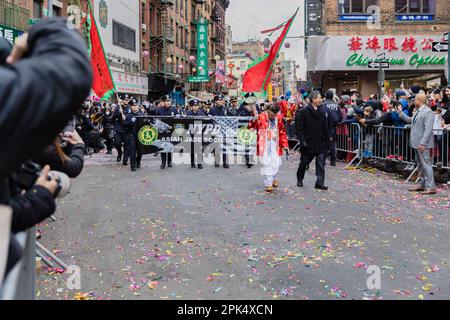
{"x":199,"y":113}
{"x":335,"y":111}
{"x":219,"y":112}
{"x":162,"y":111}
{"x":119,"y":125}
{"x":130,"y":121}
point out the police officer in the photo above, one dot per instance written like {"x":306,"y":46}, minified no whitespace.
{"x":196,"y":146}
{"x":119,"y":130}
{"x":219,"y":110}
{"x":247,"y":110}
{"x":233,"y":109}
{"x":166,"y":109}
{"x":130,"y":135}
{"x":108,"y":129}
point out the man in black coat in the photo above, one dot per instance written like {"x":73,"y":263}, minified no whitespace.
{"x":130,"y":135}
{"x":314,"y":136}
{"x":166,"y":109}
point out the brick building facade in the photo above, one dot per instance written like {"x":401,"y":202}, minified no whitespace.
{"x":403,"y":29}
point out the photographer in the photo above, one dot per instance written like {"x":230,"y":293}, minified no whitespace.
{"x":37,"y":95}
{"x":66,"y":156}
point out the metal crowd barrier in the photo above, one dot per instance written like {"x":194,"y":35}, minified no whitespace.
{"x":389,"y":143}
{"x":20,"y":284}
{"x":348,"y":140}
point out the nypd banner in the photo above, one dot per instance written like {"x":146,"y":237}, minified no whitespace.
{"x":230,"y":135}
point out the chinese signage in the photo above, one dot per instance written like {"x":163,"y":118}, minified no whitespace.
{"x":357,"y":52}
{"x":422,"y":17}
{"x":127,"y":83}
{"x":9,"y":33}
{"x":202,"y":52}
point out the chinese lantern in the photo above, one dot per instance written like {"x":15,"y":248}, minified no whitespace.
{"x":145,"y":54}
{"x":210,"y":73}
{"x":194,"y":70}
{"x":191,"y":58}
{"x":266,"y":50}
{"x":180,"y":66}
{"x":287,"y":45}
{"x":169,"y":60}
{"x":248,"y":54}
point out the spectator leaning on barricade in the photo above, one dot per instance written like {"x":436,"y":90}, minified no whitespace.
{"x":422,"y":142}
{"x":37,"y":99}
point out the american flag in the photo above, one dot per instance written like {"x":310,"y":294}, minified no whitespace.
{"x":220,"y":72}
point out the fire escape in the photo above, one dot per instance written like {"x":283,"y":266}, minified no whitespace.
{"x":164,"y":37}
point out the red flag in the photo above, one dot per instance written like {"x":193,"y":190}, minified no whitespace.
{"x":256,"y":78}
{"x":103,"y":84}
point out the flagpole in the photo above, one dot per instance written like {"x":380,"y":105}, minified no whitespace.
{"x":276,"y":57}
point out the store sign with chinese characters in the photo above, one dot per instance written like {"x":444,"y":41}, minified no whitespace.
{"x":202,"y":53}
{"x":9,"y":33}
{"x":421,"y":17}
{"x":406,"y":52}
{"x":127,"y":83}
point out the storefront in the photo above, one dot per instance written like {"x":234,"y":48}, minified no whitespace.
{"x":133,"y":85}
{"x":342,"y":62}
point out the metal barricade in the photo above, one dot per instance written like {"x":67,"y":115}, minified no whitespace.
{"x":20,"y":284}
{"x":348,"y":140}
{"x":387,"y":143}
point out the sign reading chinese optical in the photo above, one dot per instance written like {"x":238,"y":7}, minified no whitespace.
{"x":202,"y":52}
{"x":127,"y":83}
{"x":357,"y":52}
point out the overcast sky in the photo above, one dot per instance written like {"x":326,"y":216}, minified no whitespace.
{"x":248,"y":18}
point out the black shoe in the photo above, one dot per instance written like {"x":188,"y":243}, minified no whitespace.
{"x":320,"y":187}
{"x":200,"y":166}
{"x":193,"y":166}
{"x":138,"y":165}
{"x":333,"y":163}
{"x":170,"y":165}
{"x":226,"y":166}
{"x":217,"y":165}
{"x":133,"y":169}
{"x":119,"y":158}
{"x":249,"y":165}
{"x":163,"y":166}
{"x":109,"y":152}
{"x":300,"y":184}
{"x":125,"y":163}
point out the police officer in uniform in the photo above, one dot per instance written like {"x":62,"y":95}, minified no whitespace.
{"x":119,"y":130}
{"x":196,"y":112}
{"x":108,"y":129}
{"x":219,"y":110}
{"x":247,"y":110}
{"x":166,"y":109}
{"x":131,"y":138}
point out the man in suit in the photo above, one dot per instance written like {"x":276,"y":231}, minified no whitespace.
{"x":422,"y":141}
{"x":314,"y":136}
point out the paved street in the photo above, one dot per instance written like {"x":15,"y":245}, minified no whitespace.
{"x":213,"y":234}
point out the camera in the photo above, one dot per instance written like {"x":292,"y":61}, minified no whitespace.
{"x":27,"y":175}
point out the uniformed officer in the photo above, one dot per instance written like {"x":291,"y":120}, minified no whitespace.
{"x":119,"y":130}
{"x":131,"y":138}
{"x":233,"y":110}
{"x":166,"y":109}
{"x":108,"y":128}
{"x":219,"y":110}
{"x":196,"y":146}
{"x":247,"y":110}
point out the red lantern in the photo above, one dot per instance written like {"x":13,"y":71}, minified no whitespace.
{"x":287,"y":45}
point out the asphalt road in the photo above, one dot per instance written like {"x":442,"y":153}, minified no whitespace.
{"x":183,"y":233}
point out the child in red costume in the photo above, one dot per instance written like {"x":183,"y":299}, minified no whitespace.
{"x":272,"y":140}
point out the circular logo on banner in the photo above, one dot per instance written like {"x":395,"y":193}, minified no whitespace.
{"x":147,"y":135}
{"x":246,"y":136}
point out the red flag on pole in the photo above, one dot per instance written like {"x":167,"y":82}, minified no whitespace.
{"x":256,"y":78}
{"x":103,"y":84}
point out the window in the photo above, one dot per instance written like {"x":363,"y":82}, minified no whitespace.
{"x":414,"y":7}
{"x":124,"y":37}
{"x":143,"y":12}
{"x":37,"y":9}
{"x":355,"y":6}
{"x":150,"y":19}
{"x":177,"y":30}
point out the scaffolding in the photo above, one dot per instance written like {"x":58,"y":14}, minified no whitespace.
{"x":14,"y":16}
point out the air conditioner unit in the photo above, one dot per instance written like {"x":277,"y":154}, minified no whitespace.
{"x":144,"y":27}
